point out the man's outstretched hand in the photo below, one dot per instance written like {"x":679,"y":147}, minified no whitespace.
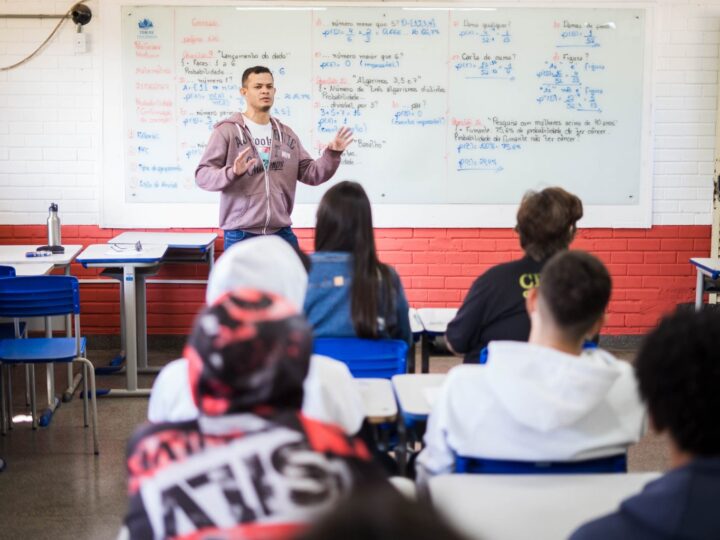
{"x":342,"y":139}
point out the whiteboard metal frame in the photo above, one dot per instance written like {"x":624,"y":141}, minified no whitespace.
{"x":116,"y":213}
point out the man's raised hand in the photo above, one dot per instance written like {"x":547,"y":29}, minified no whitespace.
{"x":242,"y":164}
{"x":342,"y":139}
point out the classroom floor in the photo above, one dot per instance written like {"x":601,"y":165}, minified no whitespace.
{"x":54,"y":487}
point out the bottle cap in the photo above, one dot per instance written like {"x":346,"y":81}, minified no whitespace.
{"x":53,"y":207}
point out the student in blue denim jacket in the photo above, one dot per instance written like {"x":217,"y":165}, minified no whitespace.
{"x":350,"y":292}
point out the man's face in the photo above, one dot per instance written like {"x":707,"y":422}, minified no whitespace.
{"x":259,"y":92}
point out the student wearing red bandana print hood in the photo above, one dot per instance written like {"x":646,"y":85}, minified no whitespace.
{"x":251,"y":465}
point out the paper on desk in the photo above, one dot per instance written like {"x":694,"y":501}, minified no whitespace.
{"x":431,"y":394}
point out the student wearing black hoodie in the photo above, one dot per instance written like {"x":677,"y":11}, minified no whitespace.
{"x":679,"y":378}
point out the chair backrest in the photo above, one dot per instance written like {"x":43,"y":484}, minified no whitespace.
{"x":483,"y":356}
{"x":610,"y":464}
{"x":39,"y":296}
{"x":7,"y":271}
{"x":381,"y":358}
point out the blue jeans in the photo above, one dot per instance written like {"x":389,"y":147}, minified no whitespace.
{"x":234,"y":236}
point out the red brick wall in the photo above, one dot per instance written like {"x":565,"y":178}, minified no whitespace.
{"x":650,"y":270}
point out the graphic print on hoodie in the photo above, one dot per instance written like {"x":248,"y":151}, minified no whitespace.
{"x":262,"y":139}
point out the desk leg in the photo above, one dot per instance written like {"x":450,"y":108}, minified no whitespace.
{"x":211,"y":257}
{"x":700,"y":281}
{"x":142,"y":362}
{"x":425,"y":353}
{"x":52,"y":401}
{"x":72,"y":382}
{"x":131,"y":344}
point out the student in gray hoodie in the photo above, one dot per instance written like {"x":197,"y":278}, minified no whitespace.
{"x":255,"y":162}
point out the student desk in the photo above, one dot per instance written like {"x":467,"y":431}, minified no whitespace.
{"x":434,"y":322}
{"x":541,"y":506}
{"x":130,"y":260}
{"x":707,"y":270}
{"x":415,"y":391}
{"x":39,"y":269}
{"x":32,"y":266}
{"x":182,"y":248}
{"x":417,"y":330}
{"x":378,"y":399}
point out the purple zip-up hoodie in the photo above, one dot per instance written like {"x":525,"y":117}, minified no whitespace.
{"x":259,"y":201}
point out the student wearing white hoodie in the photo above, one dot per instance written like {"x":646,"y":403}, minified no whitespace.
{"x":269,"y":264}
{"x":545,"y":400}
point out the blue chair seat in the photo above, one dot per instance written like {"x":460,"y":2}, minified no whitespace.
{"x":40,"y":350}
{"x":609,"y":464}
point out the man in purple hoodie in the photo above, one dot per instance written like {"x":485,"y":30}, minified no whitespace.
{"x":255,"y":161}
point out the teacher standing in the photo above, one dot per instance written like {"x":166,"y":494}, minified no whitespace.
{"x":255,"y":162}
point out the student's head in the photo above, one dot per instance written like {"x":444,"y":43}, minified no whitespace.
{"x":344,"y":223}
{"x":266,"y":263}
{"x":678,"y":371}
{"x":248,"y":351}
{"x":572,"y":296}
{"x":546,"y":221}
{"x":344,"y":220}
{"x":258,"y":88}
{"x":381,"y":514}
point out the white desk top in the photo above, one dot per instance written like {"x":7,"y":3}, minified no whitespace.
{"x":171,"y":239}
{"x":436,"y":319}
{"x":416,"y":326}
{"x":106,"y":255}
{"x":708,"y":266}
{"x":32,"y":269}
{"x":540,"y":506}
{"x":16,"y":254}
{"x":412,"y":391}
{"x":378,"y":399}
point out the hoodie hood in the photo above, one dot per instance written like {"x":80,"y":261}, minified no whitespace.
{"x":266,"y":263}
{"x":545,"y":389}
{"x":248,"y":352}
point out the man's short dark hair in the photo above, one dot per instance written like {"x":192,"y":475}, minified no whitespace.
{"x":254,"y":70}
{"x":575,"y":287}
{"x":546,"y":221}
{"x":678,"y":370}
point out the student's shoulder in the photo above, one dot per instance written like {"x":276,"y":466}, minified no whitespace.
{"x":614,"y":526}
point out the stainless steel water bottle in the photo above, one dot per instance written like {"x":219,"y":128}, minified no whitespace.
{"x":53,"y":226}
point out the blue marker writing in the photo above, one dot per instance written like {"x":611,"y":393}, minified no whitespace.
{"x":38,"y":254}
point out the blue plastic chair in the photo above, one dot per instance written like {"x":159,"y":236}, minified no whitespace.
{"x":610,"y":464}
{"x":483,"y":357}
{"x":45,"y":296}
{"x":366,"y":358}
{"x":7,"y":330}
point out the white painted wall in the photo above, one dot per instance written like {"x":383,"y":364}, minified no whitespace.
{"x":51,"y":113}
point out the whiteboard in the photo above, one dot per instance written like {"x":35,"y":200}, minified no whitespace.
{"x":457,"y":111}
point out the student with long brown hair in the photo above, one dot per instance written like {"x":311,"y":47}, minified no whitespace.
{"x":350,"y":292}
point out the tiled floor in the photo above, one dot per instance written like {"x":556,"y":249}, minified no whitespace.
{"x":54,"y":487}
